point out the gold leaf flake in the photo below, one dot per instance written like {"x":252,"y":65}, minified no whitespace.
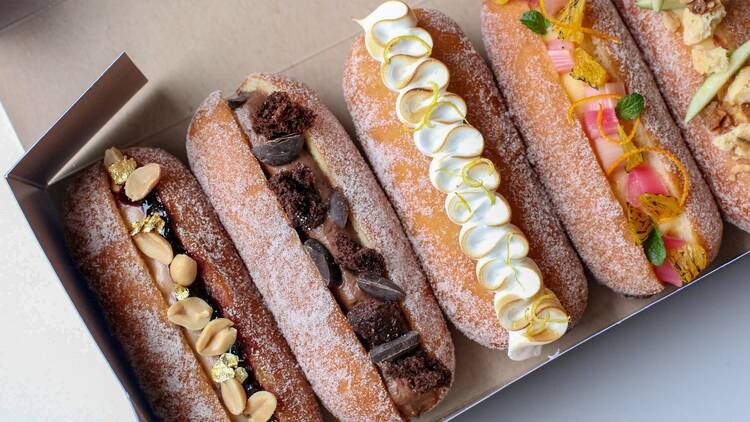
{"x":181,"y":292}
{"x":120,"y":170}
{"x":240,"y":374}
{"x":230,"y":359}
{"x":152,"y":222}
{"x":221,"y":372}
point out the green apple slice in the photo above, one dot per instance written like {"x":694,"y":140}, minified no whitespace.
{"x":714,"y":82}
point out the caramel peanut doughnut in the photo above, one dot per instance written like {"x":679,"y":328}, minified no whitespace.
{"x":177,"y":296}
{"x":325,"y":249}
{"x":465,"y":193}
{"x":619,"y":174}
{"x":698,"y":52}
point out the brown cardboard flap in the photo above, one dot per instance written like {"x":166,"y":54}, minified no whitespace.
{"x":29,"y":180}
{"x":89,"y":113}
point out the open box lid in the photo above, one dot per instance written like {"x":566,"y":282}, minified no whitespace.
{"x":30,"y":177}
{"x":38,"y":187}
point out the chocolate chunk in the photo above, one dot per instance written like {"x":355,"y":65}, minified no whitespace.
{"x":237,"y":101}
{"x":353,"y":256}
{"x":377,"y":323}
{"x":279,"y":116}
{"x":295,"y":190}
{"x":279,"y":151}
{"x":388,"y":352}
{"x":323,"y":260}
{"x":421,"y":372}
{"x":380,"y":288}
{"x":338,"y":209}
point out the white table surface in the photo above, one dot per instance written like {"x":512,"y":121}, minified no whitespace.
{"x":686,"y":359}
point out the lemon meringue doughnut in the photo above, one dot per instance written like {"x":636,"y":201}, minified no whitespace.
{"x":436,"y":120}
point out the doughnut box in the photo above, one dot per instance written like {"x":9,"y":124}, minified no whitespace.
{"x":104,"y":84}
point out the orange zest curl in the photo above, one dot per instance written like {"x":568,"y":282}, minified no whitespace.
{"x":636,"y":122}
{"x":670,"y":156}
{"x":575,"y":105}
{"x":557,"y":23}
{"x":625,"y":138}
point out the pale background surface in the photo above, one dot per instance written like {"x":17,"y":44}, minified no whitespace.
{"x":685,"y":359}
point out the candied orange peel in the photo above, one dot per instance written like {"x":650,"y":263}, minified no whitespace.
{"x":572,"y":14}
{"x":639,"y":223}
{"x":670,"y":156}
{"x":574,"y":28}
{"x":587,"y":69}
{"x":689,"y":261}
{"x":660,"y":207}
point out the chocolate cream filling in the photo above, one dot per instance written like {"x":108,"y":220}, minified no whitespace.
{"x":304,"y":192}
{"x":134,"y":211}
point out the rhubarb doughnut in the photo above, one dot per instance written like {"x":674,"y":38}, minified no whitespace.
{"x":698,"y":51}
{"x":177,"y":296}
{"x":475,"y":282}
{"x":325,"y":249}
{"x":598,"y":133}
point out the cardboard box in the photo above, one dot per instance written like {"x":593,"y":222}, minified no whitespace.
{"x":187,"y":50}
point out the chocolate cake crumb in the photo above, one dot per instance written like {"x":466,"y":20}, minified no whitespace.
{"x":279,"y":116}
{"x":353,"y":256}
{"x":421,"y":372}
{"x":295,"y":190}
{"x":377,"y":323}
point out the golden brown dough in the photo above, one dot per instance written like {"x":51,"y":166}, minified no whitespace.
{"x":671,"y":63}
{"x":332,"y":357}
{"x":561,"y":153}
{"x":177,"y":387}
{"x":403,"y":172}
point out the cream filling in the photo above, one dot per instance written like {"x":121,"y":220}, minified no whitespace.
{"x":531,"y":313}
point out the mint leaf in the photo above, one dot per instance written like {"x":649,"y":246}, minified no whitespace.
{"x":535,"y":22}
{"x":654,"y":248}
{"x":630,"y":106}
